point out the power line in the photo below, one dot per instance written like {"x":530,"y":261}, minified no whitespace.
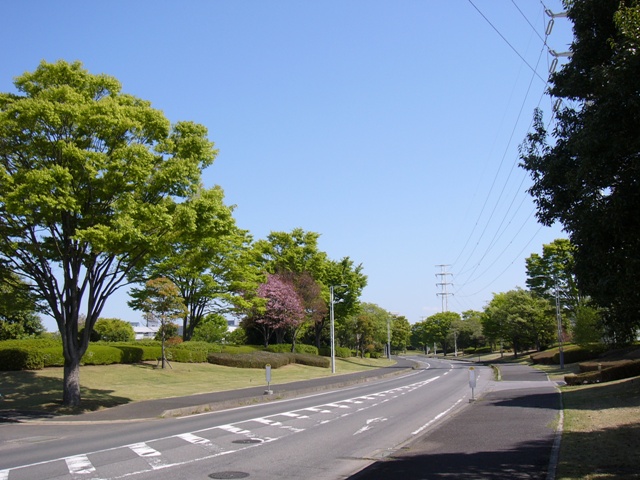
{"x":507,"y":42}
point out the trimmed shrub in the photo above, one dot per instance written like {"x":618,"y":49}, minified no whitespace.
{"x":580,"y":354}
{"x":240,"y":348}
{"x":310,"y":360}
{"x":572,"y":354}
{"x":249,"y":360}
{"x":187,"y":353}
{"x":101,"y":355}
{"x":53,"y":356}
{"x":341,"y":352}
{"x":19,"y":358}
{"x":286,"y":348}
{"x":620,"y":370}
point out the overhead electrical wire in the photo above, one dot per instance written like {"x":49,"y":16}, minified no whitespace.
{"x":500,"y":165}
{"x":500,"y":231}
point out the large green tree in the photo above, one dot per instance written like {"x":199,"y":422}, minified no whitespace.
{"x":400,"y":333}
{"x":586,"y":173}
{"x":553,"y":272}
{"x":90,"y":182}
{"x":297,"y":252}
{"x":208,"y":260}
{"x":521,"y":318}
{"x":366,"y":331}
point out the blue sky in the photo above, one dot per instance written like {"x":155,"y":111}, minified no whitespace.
{"x":389,"y":127}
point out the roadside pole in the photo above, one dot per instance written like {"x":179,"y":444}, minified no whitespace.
{"x":472,"y":383}
{"x":267,"y":370}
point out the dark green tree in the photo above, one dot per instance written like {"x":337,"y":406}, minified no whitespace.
{"x":400,"y":333}
{"x":213,"y":329}
{"x":520,"y":318}
{"x":586,"y":173}
{"x":114,"y":330}
{"x":90,"y":182}
{"x":18,"y":308}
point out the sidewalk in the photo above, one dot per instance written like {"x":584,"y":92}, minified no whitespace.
{"x":508,"y":433}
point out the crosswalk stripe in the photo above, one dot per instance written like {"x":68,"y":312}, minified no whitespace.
{"x":79,"y":464}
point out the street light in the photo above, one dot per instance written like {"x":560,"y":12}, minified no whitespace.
{"x":333,"y":332}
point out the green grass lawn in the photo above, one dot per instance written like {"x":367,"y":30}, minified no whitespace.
{"x":107,"y":386}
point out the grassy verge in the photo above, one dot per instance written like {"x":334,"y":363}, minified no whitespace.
{"x":108,"y":386}
{"x":601,"y":431}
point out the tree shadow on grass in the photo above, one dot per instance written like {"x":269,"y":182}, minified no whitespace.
{"x":28,"y":393}
{"x":617,"y":394}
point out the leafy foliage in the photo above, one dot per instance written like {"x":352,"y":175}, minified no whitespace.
{"x":520,"y":318}
{"x":18,"y":308}
{"x":213,"y":328}
{"x":114,"y":330}
{"x":90,"y":184}
{"x":283,"y":309}
{"x":208,"y":260}
{"x":586,"y":174}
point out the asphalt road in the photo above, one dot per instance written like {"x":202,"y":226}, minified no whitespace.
{"x":324,"y":435}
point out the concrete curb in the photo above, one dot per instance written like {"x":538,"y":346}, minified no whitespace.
{"x":275,"y":396}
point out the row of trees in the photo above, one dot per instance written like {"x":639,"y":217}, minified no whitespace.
{"x":99,"y":191}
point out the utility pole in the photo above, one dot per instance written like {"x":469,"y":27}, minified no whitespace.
{"x":443,"y":284}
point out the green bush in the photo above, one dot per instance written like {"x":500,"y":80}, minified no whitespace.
{"x":53,"y":356}
{"x":188,"y":353}
{"x":240,"y":348}
{"x":101,"y":355}
{"x":32,"y":343}
{"x":286,"y":348}
{"x":250,"y":360}
{"x":575,"y":354}
{"x":114,"y":330}
{"x":622,"y":369}
{"x":310,"y":360}
{"x":341,"y":352}
{"x":19,"y":358}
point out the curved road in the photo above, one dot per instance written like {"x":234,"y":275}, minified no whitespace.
{"x":322,"y":436}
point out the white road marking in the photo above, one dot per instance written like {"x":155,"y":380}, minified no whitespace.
{"x":79,"y":464}
{"x":437,"y":417}
{"x":369,"y":424}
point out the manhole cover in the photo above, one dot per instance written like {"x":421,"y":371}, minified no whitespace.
{"x":247,"y":441}
{"x":224,"y":475}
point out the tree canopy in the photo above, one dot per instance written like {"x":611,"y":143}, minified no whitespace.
{"x":283,"y":309}
{"x":90,"y":183}
{"x":586,"y":172}
{"x":207,"y":258}
{"x":520,"y":318}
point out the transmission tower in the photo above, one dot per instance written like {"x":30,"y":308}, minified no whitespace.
{"x":443,"y":284}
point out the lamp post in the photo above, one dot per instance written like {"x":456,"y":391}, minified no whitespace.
{"x":559,"y":320}
{"x":333,"y":331}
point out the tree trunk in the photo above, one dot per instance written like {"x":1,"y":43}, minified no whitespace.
{"x":71,"y":382}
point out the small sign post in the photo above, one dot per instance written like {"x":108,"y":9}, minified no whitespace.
{"x":472,"y":382}
{"x":267,"y":368}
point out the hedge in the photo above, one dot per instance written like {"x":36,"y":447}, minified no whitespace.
{"x":249,"y":360}
{"x":341,"y":352}
{"x":19,"y":358}
{"x":623,"y":369}
{"x":572,"y":354}
{"x":286,"y":348}
{"x":187,"y":352}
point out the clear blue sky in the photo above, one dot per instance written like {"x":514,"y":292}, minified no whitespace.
{"x":389,"y":127}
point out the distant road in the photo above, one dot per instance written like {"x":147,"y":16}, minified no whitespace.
{"x":322,"y":436}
